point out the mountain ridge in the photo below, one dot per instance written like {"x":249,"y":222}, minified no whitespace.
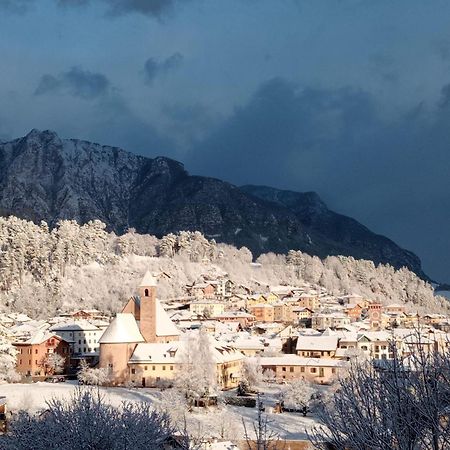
{"x":44,"y":177}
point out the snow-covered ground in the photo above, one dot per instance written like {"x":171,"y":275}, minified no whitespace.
{"x":223,"y":421}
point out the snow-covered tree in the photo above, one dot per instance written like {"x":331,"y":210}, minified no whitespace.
{"x":196,"y":375}
{"x":8,"y":355}
{"x":93,"y":376}
{"x":297,"y":395}
{"x":402,"y":405}
{"x":87,"y":421}
{"x":252,"y":373}
{"x":53,"y":363}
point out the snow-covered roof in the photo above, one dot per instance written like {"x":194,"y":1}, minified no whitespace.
{"x":123,"y":329}
{"x":294,"y":360}
{"x":249,"y":344}
{"x":149,"y":280}
{"x":172,"y":352}
{"x":164,"y":325}
{"x":78,"y":325}
{"x":320,"y":343}
{"x":40,"y":336}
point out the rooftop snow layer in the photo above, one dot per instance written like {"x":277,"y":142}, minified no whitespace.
{"x":123,"y":329}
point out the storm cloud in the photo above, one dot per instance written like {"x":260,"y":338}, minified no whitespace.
{"x":153,"y":68}
{"x":76,"y":82}
{"x":347,"y":98}
{"x":15,"y":6}
{"x":150,"y":8}
{"x":335,"y":142}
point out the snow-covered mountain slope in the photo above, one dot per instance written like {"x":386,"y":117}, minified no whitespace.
{"x":43,"y":177}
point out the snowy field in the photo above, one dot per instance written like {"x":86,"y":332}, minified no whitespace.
{"x":223,"y":421}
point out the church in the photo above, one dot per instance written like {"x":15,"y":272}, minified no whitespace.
{"x":142,"y":345}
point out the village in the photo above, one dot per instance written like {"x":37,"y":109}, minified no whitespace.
{"x":301,"y":337}
{"x":295,"y":332}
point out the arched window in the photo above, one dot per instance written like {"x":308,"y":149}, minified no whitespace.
{"x":146,"y":292}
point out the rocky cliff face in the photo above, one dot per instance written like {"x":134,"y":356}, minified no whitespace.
{"x":43,"y":177}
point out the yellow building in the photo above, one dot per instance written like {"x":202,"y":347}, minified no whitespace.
{"x":151,"y":364}
{"x":293,"y":367}
{"x":256,"y":299}
{"x":208,"y":308}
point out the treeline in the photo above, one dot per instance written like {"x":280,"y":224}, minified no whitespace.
{"x":70,"y":266}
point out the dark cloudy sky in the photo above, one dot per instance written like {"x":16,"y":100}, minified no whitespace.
{"x":350,"y":98}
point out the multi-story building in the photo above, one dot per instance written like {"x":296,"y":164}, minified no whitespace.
{"x":293,"y":367}
{"x":33,"y":354}
{"x":263,"y":312}
{"x":322,"y":321}
{"x":207,"y":308}
{"x":83,"y":337}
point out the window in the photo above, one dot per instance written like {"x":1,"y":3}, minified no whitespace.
{"x":153,"y":368}
{"x":313,"y":370}
{"x":291,"y":369}
{"x":164,"y":367}
{"x":284,"y":369}
{"x":145,"y":367}
{"x":333,"y":370}
{"x":36,"y":351}
{"x":20,"y":361}
{"x":302,"y":369}
{"x":133,"y":371}
{"x":146,"y":293}
{"x":79,"y":341}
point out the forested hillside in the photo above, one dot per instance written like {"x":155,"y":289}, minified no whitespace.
{"x":72,"y":266}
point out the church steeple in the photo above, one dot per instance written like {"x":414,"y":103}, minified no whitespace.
{"x":147,"y":293}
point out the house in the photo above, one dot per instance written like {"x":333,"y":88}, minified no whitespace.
{"x":396,"y":308}
{"x":293,"y":367}
{"x":223,"y":287}
{"x":33,"y":354}
{"x":301,"y":314}
{"x":202,"y":290}
{"x":83,"y":337}
{"x":322,"y":321}
{"x":208,"y":308}
{"x":262,"y":312}
{"x":87,"y":314}
{"x":323,"y":346}
{"x":354,"y":311}
{"x":244,"y":319}
{"x":256,"y":299}
{"x":307,"y":300}
{"x":152,"y":363}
